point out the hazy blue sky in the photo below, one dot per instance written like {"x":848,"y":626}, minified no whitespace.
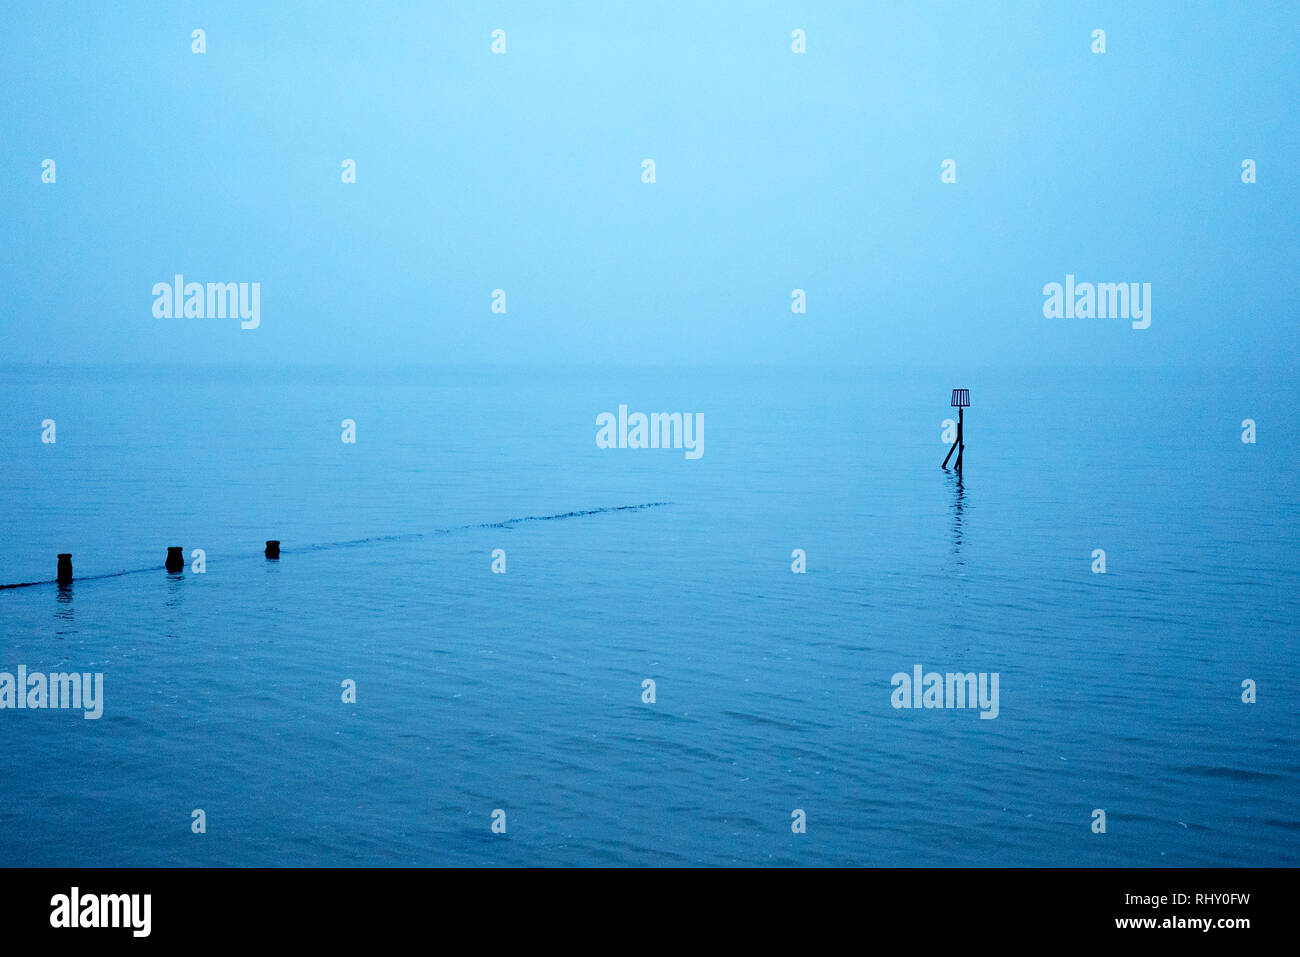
{"x":775,"y":171}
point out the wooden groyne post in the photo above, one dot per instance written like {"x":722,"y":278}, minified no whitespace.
{"x":960,"y":402}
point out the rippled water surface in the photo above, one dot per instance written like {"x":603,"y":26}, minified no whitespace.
{"x":523,"y":691}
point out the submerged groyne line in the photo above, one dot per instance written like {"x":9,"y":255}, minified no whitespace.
{"x":352,"y":543}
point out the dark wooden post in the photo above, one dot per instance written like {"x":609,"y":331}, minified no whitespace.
{"x":961,"y":439}
{"x":176,"y":558}
{"x":272,"y":548}
{"x":65,"y":568}
{"x":960,"y":400}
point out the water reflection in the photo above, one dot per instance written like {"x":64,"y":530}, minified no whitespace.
{"x":175,"y":590}
{"x":64,"y":619}
{"x":958,"y":488}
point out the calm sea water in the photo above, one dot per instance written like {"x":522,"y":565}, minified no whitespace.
{"x":523,"y":691}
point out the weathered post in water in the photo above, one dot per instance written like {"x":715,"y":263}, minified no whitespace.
{"x":65,"y":568}
{"x":272,"y":548}
{"x":175,"y":558}
{"x":960,"y":401}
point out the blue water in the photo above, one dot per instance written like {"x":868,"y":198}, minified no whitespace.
{"x":523,"y":691}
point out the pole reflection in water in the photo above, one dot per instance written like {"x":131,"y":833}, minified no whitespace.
{"x":65,"y":623}
{"x":958,"y":512}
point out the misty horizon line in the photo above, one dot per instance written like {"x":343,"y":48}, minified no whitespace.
{"x":935,"y":368}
